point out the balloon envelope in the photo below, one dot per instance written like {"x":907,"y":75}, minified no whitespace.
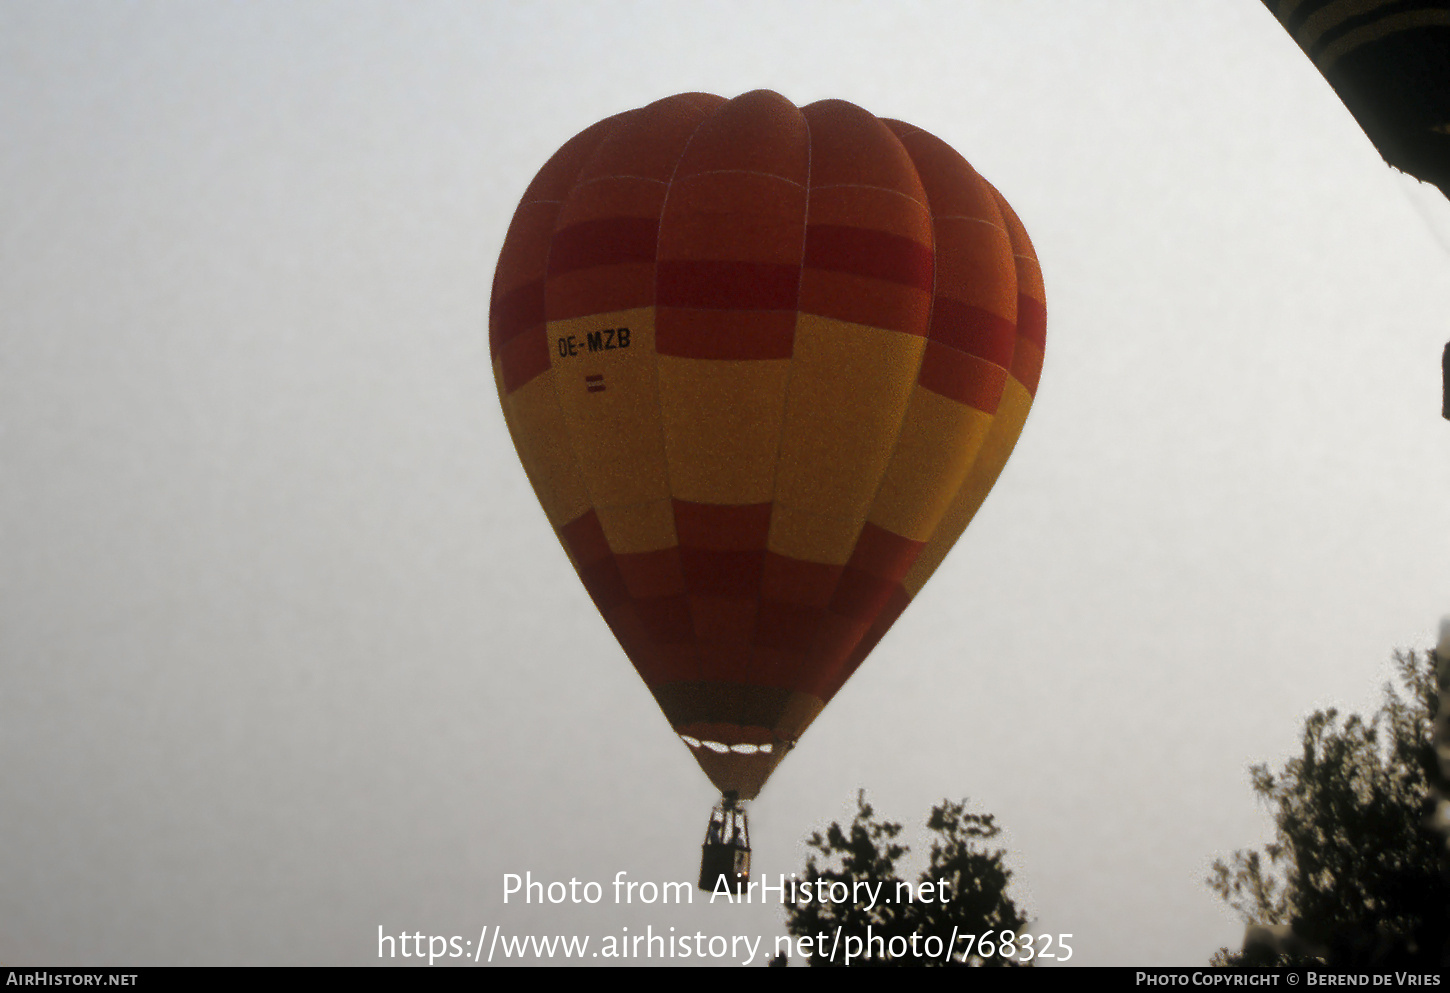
{"x":1390,"y":64}
{"x":762,"y":365}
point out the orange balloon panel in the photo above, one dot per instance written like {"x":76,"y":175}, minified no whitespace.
{"x":762,"y":365}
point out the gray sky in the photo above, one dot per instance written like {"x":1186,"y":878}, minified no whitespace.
{"x":289,"y":652}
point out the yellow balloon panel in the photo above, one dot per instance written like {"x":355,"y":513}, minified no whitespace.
{"x":641,"y":527}
{"x":541,"y":437}
{"x":997,"y":444}
{"x":940,"y":441}
{"x":604,"y":376}
{"x":722,"y":426}
{"x":849,"y":387}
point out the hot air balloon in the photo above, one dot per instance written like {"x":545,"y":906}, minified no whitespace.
{"x":761,"y":364}
{"x":1390,"y":64}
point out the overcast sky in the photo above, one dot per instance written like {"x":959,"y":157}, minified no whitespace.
{"x":289,"y":652}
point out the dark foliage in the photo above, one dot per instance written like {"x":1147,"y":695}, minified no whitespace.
{"x":973,"y":900}
{"x":1357,"y":867}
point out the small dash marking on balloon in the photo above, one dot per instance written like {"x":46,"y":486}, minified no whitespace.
{"x":594,"y":384}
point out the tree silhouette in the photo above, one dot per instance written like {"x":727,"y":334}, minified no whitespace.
{"x":1356,"y":875}
{"x":962,"y":891}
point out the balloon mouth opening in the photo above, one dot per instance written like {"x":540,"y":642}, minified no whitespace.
{"x":742,"y":748}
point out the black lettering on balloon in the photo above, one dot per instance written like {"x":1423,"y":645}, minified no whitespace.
{"x":605,"y":340}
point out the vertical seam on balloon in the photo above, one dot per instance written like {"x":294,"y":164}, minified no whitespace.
{"x":557,"y":378}
{"x":1005,"y":209}
{"x":860,"y":186}
{"x":936,"y":269}
{"x":785,"y":393}
{"x":659,"y":395}
{"x":1029,"y":256}
{"x":901,"y":424}
{"x":1007,"y":228}
{"x":906,"y":408}
{"x":926,"y":338}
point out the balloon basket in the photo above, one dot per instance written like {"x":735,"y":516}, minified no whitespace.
{"x":725,"y":855}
